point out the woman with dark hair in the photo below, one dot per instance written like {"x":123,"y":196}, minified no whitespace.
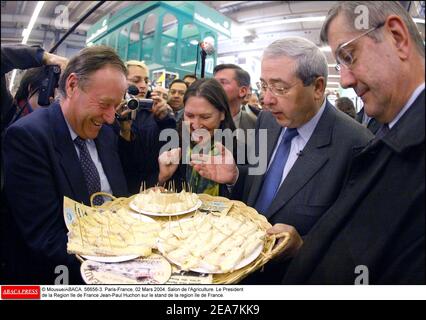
{"x":206,"y":118}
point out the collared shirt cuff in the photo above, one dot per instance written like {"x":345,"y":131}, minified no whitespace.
{"x":231,"y":186}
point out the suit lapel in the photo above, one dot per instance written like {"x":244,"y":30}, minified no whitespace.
{"x":300,"y":174}
{"x":273,"y":133}
{"x":313,"y":159}
{"x":67,"y":155}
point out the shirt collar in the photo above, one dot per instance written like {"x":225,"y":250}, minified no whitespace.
{"x":305,"y":131}
{"x":72,"y":132}
{"x":237,"y":117}
{"x":74,"y":135}
{"x":407,"y":106}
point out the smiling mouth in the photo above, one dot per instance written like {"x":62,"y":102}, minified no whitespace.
{"x":98,"y":124}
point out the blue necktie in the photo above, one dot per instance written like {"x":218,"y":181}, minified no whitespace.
{"x":273,"y":177}
{"x":91,"y":174}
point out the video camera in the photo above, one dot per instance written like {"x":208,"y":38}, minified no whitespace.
{"x":137,"y":104}
{"x":48,"y":85}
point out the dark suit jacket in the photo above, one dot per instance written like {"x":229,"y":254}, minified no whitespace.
{"x":373,"y":125}
{"x":41,"y":167}
{"x":247,"y":121}
{"x":316,"y":178}
{"x":378,"y":221}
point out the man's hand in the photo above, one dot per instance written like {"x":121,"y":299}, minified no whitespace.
{"x":50,"y":59}
{"x":294,"y":243}
{"x":220,"y":168}
{"x":124,"y":121}
{"x":168,"y":162}
{"x":160,"y":109}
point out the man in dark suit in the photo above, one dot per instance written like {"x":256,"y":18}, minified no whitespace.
{"x":320,"y":150}
{"x":21,"y":57}
{"x":372,"y":124}
{"x":314,"y":159}
{"x":375,"y":231}
{"x":316,"y":177}
{"x":64,"y":150}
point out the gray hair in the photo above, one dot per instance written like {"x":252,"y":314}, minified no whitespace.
{"x":88,"y":61}
{"x":378,"y":11}
{"x":310,"y":61}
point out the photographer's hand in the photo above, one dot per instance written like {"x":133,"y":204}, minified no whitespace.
{"x":50,"y":59}
{"x":160,"y":109}
{"x":124,"y":119}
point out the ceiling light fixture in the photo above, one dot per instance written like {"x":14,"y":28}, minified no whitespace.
{"x":285,"y":21}
{"x":188,"y":63}
{"x":26,"y":34}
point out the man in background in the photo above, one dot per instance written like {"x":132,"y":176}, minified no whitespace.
{"x":346,"y":105}
{"x":236,"y":83}
{"x":177,"y":90}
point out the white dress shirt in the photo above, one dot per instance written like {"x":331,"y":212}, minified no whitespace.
{"x":91,"y":146}
{"x":407,"y":106}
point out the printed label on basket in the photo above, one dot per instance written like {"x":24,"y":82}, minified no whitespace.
{"x":72,"y":209}
{"x":215,"y":205}
{"x":189,"y":277}
{"x":154,"y":269}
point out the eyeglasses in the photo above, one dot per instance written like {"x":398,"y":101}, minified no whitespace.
{"x":344,"y":56}
{"x":277,"y":88}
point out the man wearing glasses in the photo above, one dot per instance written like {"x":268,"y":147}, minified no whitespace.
{"x":309,"y":144}
{"x":375,"y":231}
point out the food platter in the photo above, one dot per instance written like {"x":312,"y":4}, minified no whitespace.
{"x":160,"y":214}
{"x":210,"y":250}
{"x":110,"y":235}
{"x":114,"y":259}
{"x":209,"y":243}
{"x":206,"y":268}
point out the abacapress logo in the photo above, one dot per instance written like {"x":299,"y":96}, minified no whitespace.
{"x":20,"y":292}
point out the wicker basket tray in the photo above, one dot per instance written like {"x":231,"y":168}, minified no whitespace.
{"x":238,"y":208}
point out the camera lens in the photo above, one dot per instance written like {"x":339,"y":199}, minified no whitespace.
{"x":132,"y":104}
